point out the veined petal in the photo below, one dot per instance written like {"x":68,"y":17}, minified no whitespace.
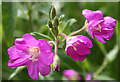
{"x":71,"y":52}
{"x":90,"y":31}
{"x":92,"y":15}
{"x":47,"y":57}
{"x":81,"y":48}
{"x":100,"y":38}
{"x":107,"y":33}
{"x":33,"y":69}
{"x":81,"y":57}
{"x":13,"y":53}
{"x":44,"y":69}
{"x":21,"y":61}
{"x":21,"y":44}
{"x":109,"y":22}
{"x":87,"y":40}
{"x":30,"y":40}
{"x":44,"y":45}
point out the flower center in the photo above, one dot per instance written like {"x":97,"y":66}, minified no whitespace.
{"x":34,"y":52}
{"x":97,"y":29}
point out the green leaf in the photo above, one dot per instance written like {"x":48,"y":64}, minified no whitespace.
{"x":103,"y":77}
{"x":112,"y":54}
{"x":9,"y":13}
{"x":66,"y":27}
{"x":61,"y":18}
{"x":41,"y":36}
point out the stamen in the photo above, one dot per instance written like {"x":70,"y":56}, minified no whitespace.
{"x":97,"y":29}
{"x":34,"y":52}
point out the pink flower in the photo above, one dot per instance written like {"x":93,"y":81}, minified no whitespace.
{"x":99,"y":26}
{"x":88,"y":77}
{"x":71,"y":75}
{"x":36,"y":54}
{"x":78,"y":47}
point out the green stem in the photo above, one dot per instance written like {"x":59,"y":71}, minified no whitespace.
{"x":29,"y":14}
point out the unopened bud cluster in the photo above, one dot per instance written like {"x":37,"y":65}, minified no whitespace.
{"x":53,"y":22}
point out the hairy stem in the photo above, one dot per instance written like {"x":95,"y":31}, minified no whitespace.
{"x":56,"y":45}
{"x":73,"y":33}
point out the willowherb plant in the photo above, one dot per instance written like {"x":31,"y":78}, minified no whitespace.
{"x":37,"y":55}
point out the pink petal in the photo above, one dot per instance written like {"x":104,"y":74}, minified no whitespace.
{"x":47,"y":57}
{"x":90,"y":31}
{"x":44,"y":69}
{"x":21,"y":44}
{"x":44,"y":45}
{"x":92,"y":15}
{"x":13,"y":53}
{"x":22,"y":61}
{"x":109,"y":22}
{"x":33,"y":69}
{"x":70,"y":51}
{"x":107,"y":34}
{"x":18,"y":57}
{"x":87,"y":40}
{"x":81,"y":49}
{"x":30,"y":40}
{"x":100,"y":38}
{"x":71,"y":41}
{"x":81,"y":57}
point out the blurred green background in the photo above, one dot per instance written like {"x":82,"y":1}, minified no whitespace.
{"x":23,"y":17}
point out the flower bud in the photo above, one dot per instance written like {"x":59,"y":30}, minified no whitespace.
{"x":53,"y":12}
{"x":56,"y":22}
{"x":56,"y":63}
{"x":49,"y":23}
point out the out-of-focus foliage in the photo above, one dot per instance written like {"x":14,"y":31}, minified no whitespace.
{"x":20,"y":18}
